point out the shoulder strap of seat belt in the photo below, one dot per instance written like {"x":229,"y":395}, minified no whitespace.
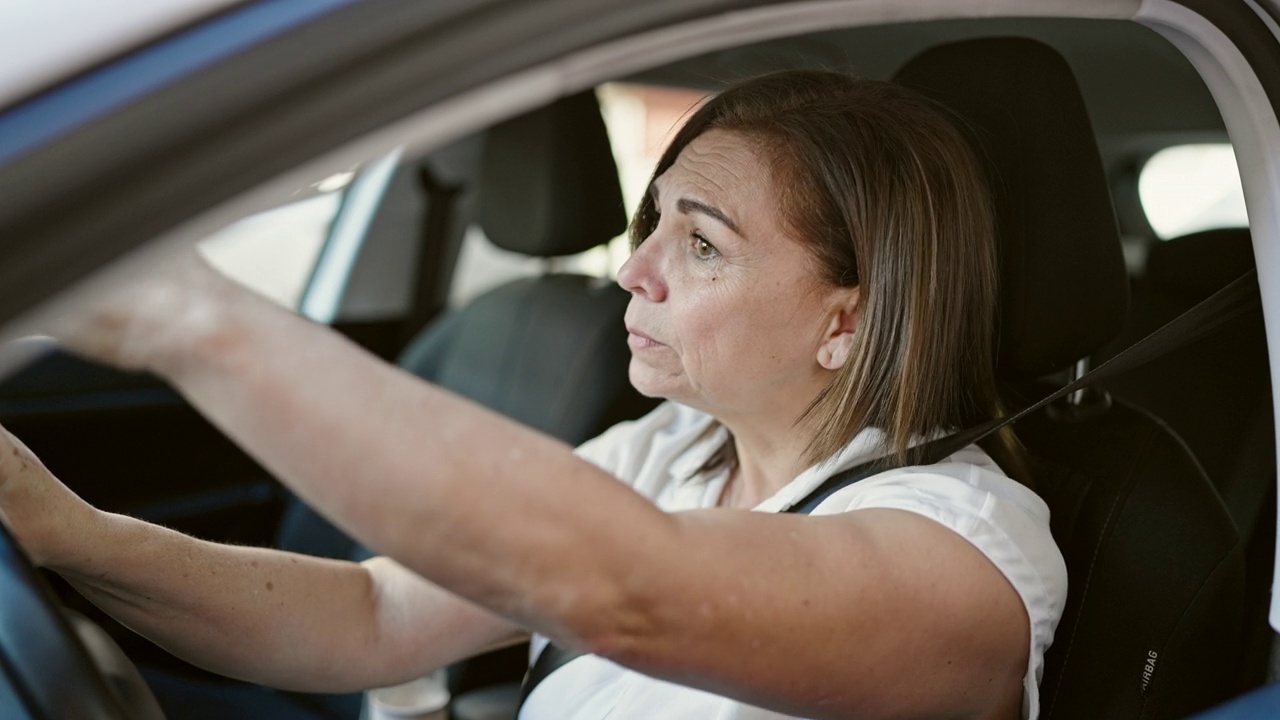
{"x":1224,"y":306}
{"x":552,"y":658}
{"x":1231,"y":302}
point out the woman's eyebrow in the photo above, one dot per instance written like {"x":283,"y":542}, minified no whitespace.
{"x":687,"y":205}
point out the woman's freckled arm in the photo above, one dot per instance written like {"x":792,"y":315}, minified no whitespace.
{"x":257,"y":614}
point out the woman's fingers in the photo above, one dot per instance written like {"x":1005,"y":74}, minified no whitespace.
{"x":39,"y":510}
{"x":16,"y":459}
{"x":20,"y":474}
{"x":9,"y":460}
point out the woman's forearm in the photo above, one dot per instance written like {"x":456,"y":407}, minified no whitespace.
{"x":281,"y":619}
{"x":262,"y":615}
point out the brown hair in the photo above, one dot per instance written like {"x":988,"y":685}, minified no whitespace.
{"x":887,"y":193}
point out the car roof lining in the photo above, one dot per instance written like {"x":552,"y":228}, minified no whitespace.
{"x":1158,"y":95}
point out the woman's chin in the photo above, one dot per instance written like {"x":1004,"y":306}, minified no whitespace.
{"x":649,"y":382}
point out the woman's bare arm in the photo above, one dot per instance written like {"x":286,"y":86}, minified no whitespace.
{"x":874,"y":614}
{"x":280,"y":619}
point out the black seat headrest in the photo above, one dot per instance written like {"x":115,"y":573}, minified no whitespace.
{"x":549,"y":185}
{"x":1197,"y":265}
{"x":1064,"y":287}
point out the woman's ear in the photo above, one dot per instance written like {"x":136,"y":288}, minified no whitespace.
{"x":837,"y":340}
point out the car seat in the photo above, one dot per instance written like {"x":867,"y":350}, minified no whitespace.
{"x":1151,"y":626}
{"x":1222,"y":406}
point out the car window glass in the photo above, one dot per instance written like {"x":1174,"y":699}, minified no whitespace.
{"x":641,"y":120}
{"x":274,"y":252}
{"x":1188,"y":188}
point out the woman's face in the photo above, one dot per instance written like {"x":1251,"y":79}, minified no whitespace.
{"x":728,"y":313}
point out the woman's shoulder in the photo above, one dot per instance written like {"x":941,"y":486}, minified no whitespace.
{"x":970,"y":494}
{"x":968,"y":480}
{"x":1007,"y":522}
{"x":967,"y":491}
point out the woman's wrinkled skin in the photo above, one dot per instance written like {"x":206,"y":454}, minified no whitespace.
{"x":725,"y":306}
{"x":728,"y":314}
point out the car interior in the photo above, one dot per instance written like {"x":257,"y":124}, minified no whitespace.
{"x":1161,"y":482}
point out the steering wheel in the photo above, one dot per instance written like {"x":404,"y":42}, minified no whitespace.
{"x":54,"y":664}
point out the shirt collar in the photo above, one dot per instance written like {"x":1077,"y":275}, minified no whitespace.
{"x":866,"y":445}
{"x":713,"y":437}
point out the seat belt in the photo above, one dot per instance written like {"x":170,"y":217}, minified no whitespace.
{"x":1231,"y":302}
{"x":552,"y":658}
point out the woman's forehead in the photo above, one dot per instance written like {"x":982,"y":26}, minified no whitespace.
{"x":718,"y":165}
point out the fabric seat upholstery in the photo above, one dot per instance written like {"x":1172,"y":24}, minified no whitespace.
{"x":1220,"y":402}
{"x":1222,"y":406}
{"x":1151,"y":624}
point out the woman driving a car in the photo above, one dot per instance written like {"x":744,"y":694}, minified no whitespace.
{"x":813,"y":286}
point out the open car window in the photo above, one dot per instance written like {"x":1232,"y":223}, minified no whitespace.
{"x":275,"y":252}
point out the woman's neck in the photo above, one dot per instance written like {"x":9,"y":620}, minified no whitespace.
{"x":768,"y":457}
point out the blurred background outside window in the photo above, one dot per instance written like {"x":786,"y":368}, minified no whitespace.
{"x":1188,"y":188}
{"x":275,"y":251}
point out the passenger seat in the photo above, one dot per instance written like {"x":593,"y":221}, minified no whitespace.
{"x":549,"y":351}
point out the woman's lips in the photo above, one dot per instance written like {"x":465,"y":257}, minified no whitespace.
{"x":637,"y":340}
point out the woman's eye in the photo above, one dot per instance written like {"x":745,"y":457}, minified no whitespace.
{"x":703,"y":248}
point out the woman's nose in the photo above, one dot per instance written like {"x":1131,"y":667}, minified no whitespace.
{"x":640,"y":274}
